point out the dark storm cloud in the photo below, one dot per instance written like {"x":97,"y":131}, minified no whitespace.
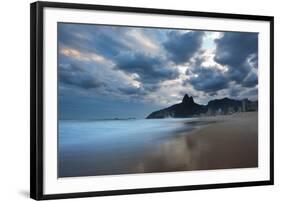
{"x":132,"y":64}
{"x":239,"y":51}
{"x":208,"y":80}
{"x":182,"y":46}
{"x":73,"y":75}
{"x":104,"y":40}
{"x":250,"y":81}
{"x":233,"y":48}
{"x":115,"y":44}
{"x":131,"y":90}
{"x":138,"y":92}
{"x":234,"y":92}
{"x":150,"y":69}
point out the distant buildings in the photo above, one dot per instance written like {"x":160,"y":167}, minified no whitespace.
{"x":248,"y":106}
{"x":245,"y":106}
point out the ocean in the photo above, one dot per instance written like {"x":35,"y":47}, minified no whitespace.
{"x":108,"y":147}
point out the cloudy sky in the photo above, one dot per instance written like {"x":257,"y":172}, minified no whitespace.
{"x":116,"y":71}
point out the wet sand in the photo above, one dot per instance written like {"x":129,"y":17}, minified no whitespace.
{"x":219,"y":142}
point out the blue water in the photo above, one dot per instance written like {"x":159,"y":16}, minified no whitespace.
{"x":104,"y":147}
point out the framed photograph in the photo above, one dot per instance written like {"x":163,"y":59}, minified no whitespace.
{"x":136,"y":100}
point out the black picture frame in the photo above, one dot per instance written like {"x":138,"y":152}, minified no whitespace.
{"x":37,"y":101}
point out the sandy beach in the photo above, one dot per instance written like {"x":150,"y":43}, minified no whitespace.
{"x":160,"y":145}
{"x":219,"y":142}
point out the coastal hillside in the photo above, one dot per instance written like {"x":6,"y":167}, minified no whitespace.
{"x":189,"y":108}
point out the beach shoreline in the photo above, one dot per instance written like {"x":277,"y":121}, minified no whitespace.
{"x":205,"y":143}
{"x":219,"y":142}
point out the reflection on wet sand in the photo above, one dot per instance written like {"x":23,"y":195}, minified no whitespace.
{"x":224,"y":142}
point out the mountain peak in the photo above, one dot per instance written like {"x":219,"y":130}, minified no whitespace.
{"x":187,"y":99}
{"x":189,"y":108}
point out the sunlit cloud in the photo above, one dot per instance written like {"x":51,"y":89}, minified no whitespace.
{"x":143,"y":41}
{"x":71,"y":52}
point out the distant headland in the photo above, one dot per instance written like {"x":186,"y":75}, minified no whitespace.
{"x":189,"y":108}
